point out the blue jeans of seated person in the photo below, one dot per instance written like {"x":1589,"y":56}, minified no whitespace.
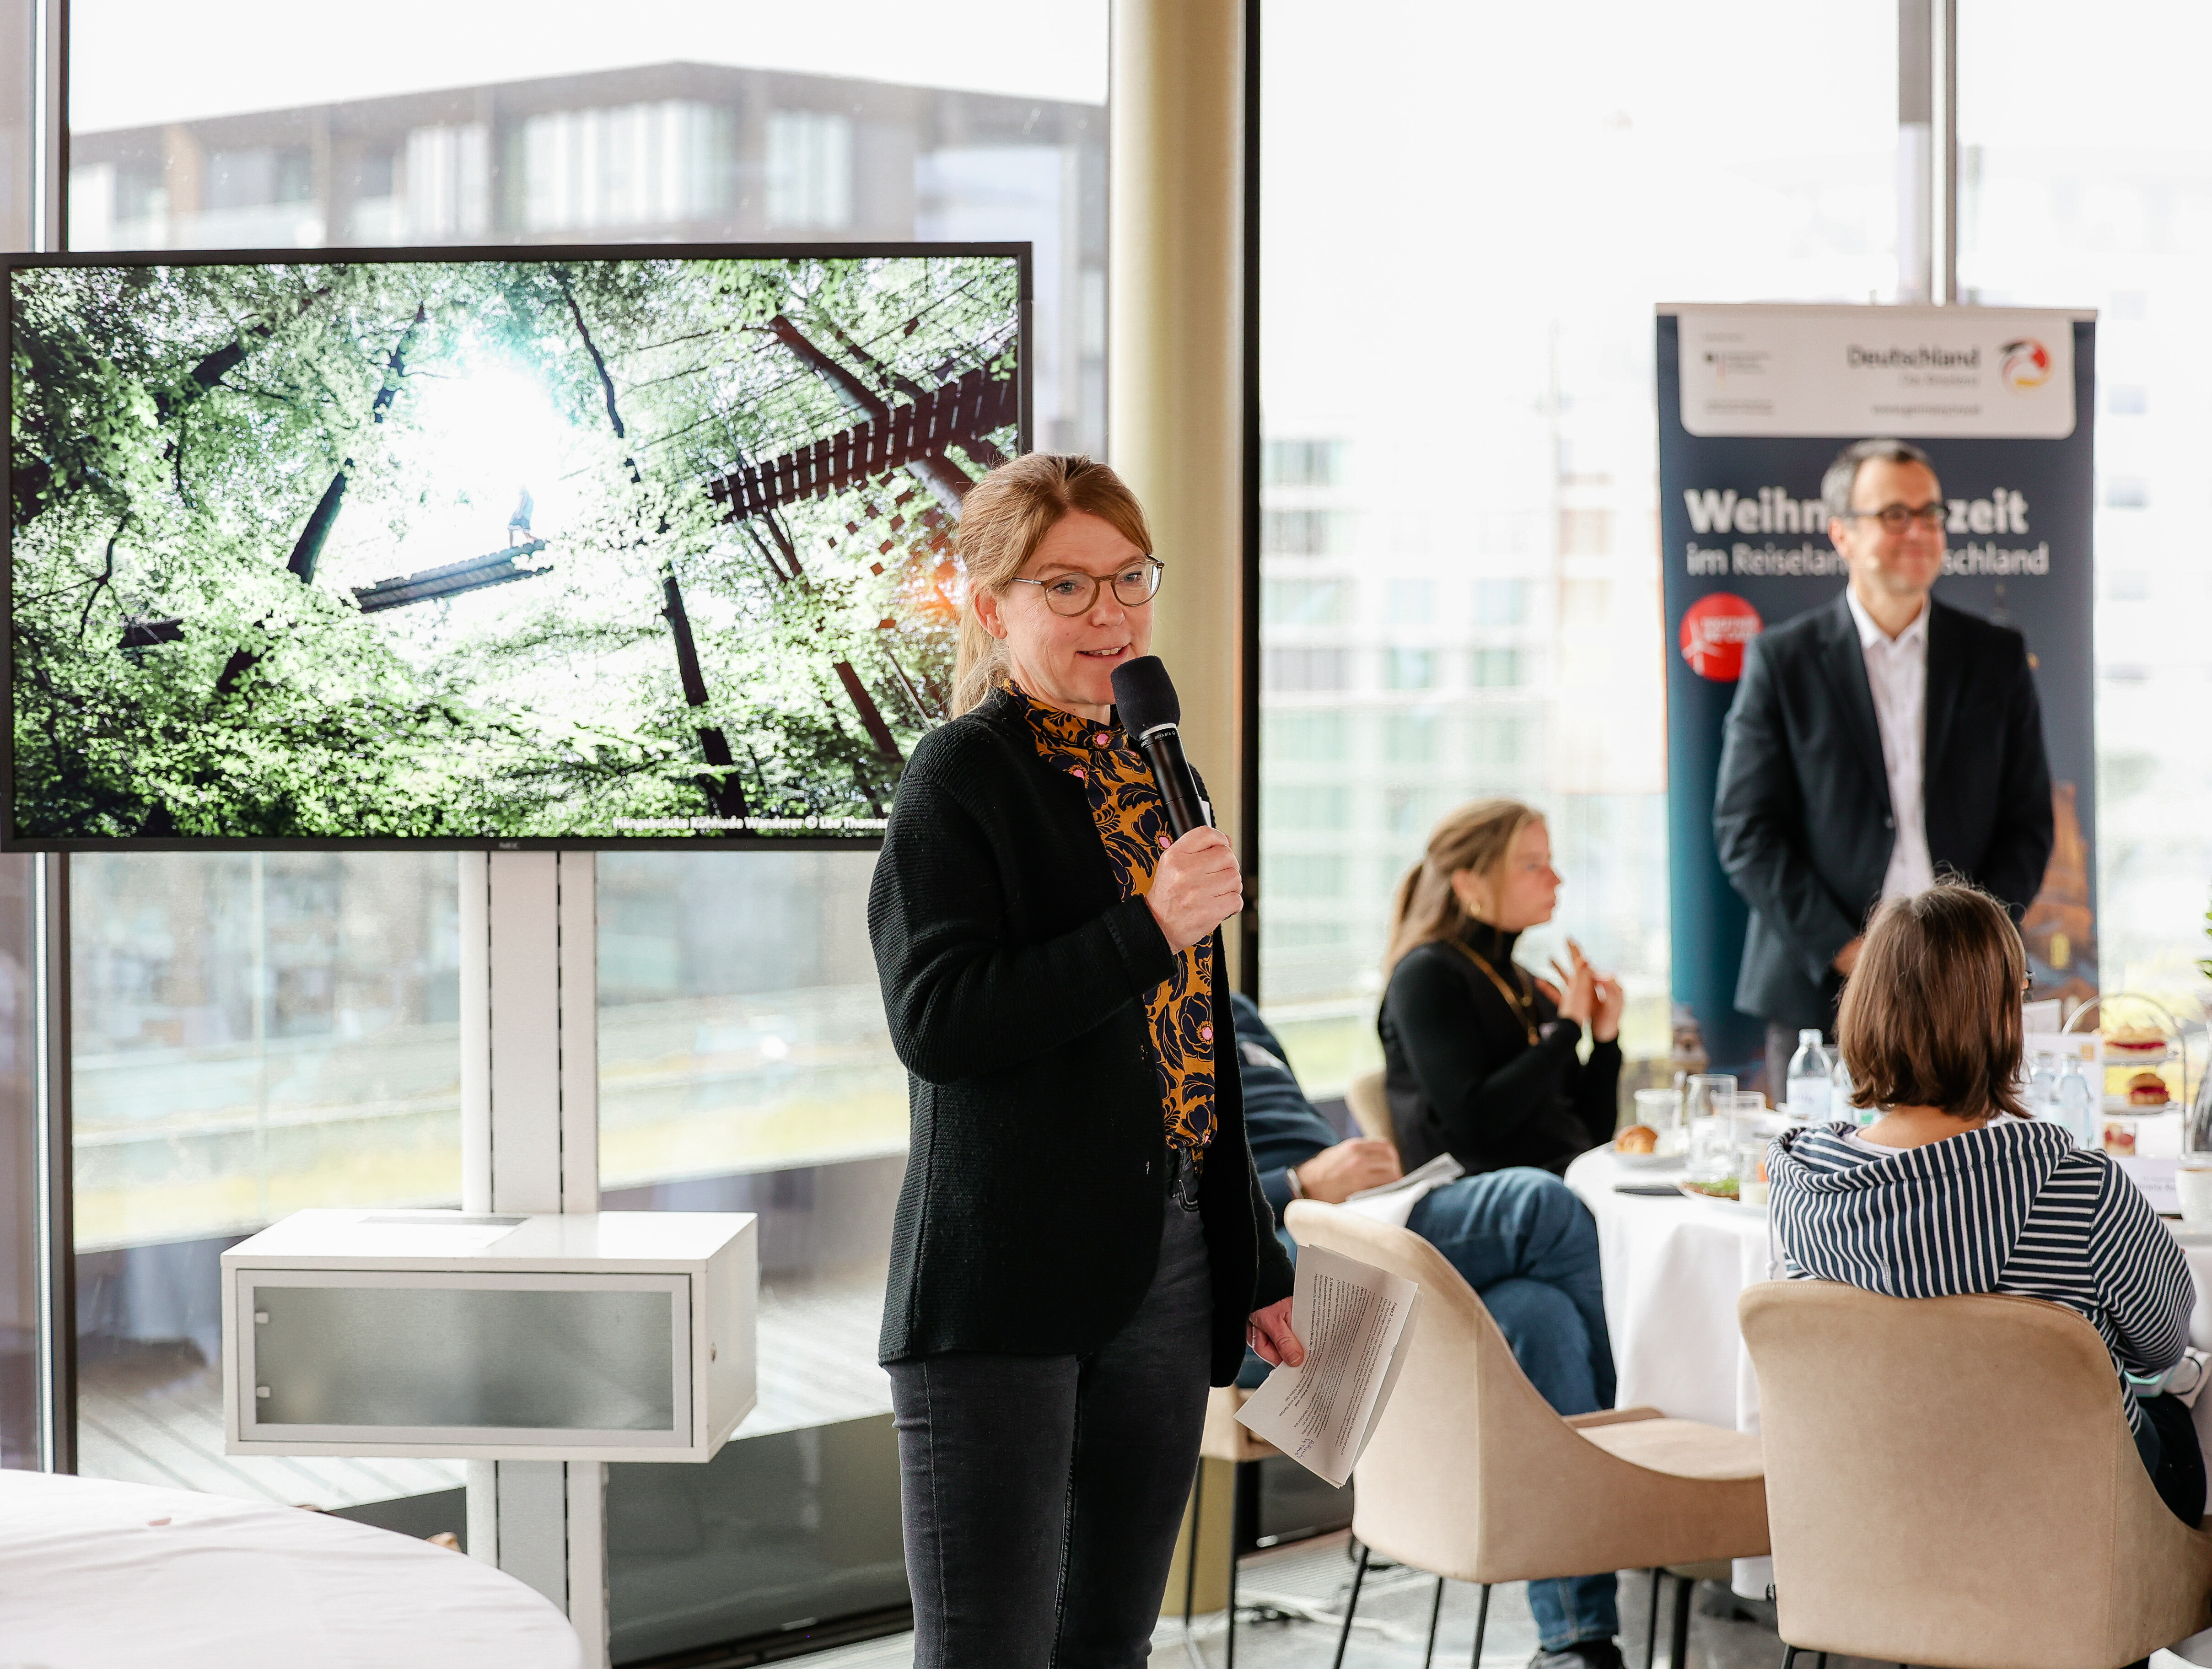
{"x":1523,"y":1240}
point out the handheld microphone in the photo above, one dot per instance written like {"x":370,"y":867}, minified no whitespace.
{"x":1151,"y":715}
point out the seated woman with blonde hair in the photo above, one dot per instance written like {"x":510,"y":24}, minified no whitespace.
{"x":1480,"y":1061}
{"x":1955,"y":1189}
{"x":1480,"y":1056}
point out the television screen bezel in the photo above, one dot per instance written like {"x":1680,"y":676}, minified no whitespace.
{"x":1022,"y":252}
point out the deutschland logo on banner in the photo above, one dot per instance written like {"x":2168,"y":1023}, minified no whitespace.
{"x":1715,"y":629}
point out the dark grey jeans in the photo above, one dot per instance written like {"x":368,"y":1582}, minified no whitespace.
{"x":1042,"y":1495}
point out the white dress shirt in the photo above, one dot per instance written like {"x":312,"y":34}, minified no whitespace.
{"x":1897,"y":673}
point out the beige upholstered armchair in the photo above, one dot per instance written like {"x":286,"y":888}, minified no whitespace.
{"x":1470,"y":1474}
{"x":1951,"y":1482}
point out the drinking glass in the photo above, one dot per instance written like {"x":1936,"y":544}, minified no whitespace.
{"x":1750,"y":1113}
{"x":1660,"y":1110}
{"x":1751,"y":1170}
{"x":2192,"y":1184}
{"x":1700,"y":1096}
{"x":1712,"y":1149}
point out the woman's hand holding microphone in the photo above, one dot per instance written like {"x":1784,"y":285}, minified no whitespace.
{"x":1196,"y":888}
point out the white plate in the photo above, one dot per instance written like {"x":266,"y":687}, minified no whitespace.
{"x":1649,"y":1161}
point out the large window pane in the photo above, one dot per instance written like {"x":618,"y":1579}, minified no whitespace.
{"x":252,"y":1035}
{"x":19,"y":1175}
{"x":18,"y":1172}
{"x":2104,"y":200}
{"x":745,"y":1065}
{"x":16,"y":70}
{"x":1458,"y":553}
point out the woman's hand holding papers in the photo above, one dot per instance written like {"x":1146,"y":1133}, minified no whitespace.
{"x":1269,"y":1332}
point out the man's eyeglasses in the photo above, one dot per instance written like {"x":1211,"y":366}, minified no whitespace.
{"x":1896,"y":518}
{"x":1076,"y":593}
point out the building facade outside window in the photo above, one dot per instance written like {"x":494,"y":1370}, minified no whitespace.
{"x":1468,"y":473}
{"x":2105,"y":200}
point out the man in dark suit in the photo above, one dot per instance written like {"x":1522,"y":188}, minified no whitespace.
{"x":1873,"y":742}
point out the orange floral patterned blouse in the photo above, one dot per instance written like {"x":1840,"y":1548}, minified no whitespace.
{"x":1133,"y":823}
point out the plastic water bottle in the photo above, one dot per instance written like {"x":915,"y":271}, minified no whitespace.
{"x":2072,"y":1106}
{"x":2042,"y":1085}
{"x":1808,"y":1078}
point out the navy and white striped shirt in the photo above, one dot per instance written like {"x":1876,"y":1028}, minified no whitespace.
{"x":2014,"y":1208}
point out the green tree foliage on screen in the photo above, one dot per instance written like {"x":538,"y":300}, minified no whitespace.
{"x":210,"y":463}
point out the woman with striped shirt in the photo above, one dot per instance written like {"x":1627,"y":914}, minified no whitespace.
{"x":1955,"y":1189}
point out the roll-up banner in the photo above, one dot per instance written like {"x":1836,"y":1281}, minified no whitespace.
{"x":1755,"y":403}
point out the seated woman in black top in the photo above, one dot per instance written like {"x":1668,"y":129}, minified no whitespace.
{"x":1480,"y":1062}
{"x":1480,"y":1056}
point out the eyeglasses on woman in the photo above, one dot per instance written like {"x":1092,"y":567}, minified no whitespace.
{"x":1077,"y":594}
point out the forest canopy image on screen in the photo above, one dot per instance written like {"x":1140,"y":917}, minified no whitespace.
{"x":463,"y":549}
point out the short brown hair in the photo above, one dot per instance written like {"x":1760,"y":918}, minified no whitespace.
{"x":1003,"y":520}
{"x":1931,"y":1016}
{"x":1842,"y":478}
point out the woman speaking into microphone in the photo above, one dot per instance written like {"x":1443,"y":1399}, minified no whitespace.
{"x":1081,"y":1246}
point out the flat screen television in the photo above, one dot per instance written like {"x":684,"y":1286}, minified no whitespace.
{"x":464,"y":548}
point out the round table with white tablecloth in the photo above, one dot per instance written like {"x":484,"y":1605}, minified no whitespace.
{"x":93,"y":1575}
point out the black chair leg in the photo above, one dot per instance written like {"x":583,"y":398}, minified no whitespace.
{"x":1349,"y":1606}
{"x":1678,"y":1647}
{"x":1789,"y":1657}
{"x":1651,"y":1625}
{"x":1481,"y":1626}
{"x":1435,"y":1610}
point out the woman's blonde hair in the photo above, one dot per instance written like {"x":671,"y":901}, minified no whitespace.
{"x":1004,"y":519}
{"x":1474,"y":836}
{"x":1931,"y":1015}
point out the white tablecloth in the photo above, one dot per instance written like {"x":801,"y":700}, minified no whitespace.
{"x":94,"y":1575}
{"x":1674,"y":1269}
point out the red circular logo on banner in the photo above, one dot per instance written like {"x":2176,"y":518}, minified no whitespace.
{"x":1715,"y":629}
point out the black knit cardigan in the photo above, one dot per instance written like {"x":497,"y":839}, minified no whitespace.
{"x":1014,"y":977}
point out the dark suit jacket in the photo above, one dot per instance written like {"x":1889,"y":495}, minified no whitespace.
{"x":1801,"y":817}
{"x":1014,"y":977}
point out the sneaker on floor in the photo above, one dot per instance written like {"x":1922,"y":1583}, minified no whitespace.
{"x":1579,"y":1654}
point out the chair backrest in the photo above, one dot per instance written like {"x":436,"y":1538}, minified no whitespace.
{"x":1949,"y":1481}
{"x":1370,"y":1108}
{"x":1465,"y":1472}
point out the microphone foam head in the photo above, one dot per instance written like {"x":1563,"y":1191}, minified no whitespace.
{"x":1145,"y":696}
